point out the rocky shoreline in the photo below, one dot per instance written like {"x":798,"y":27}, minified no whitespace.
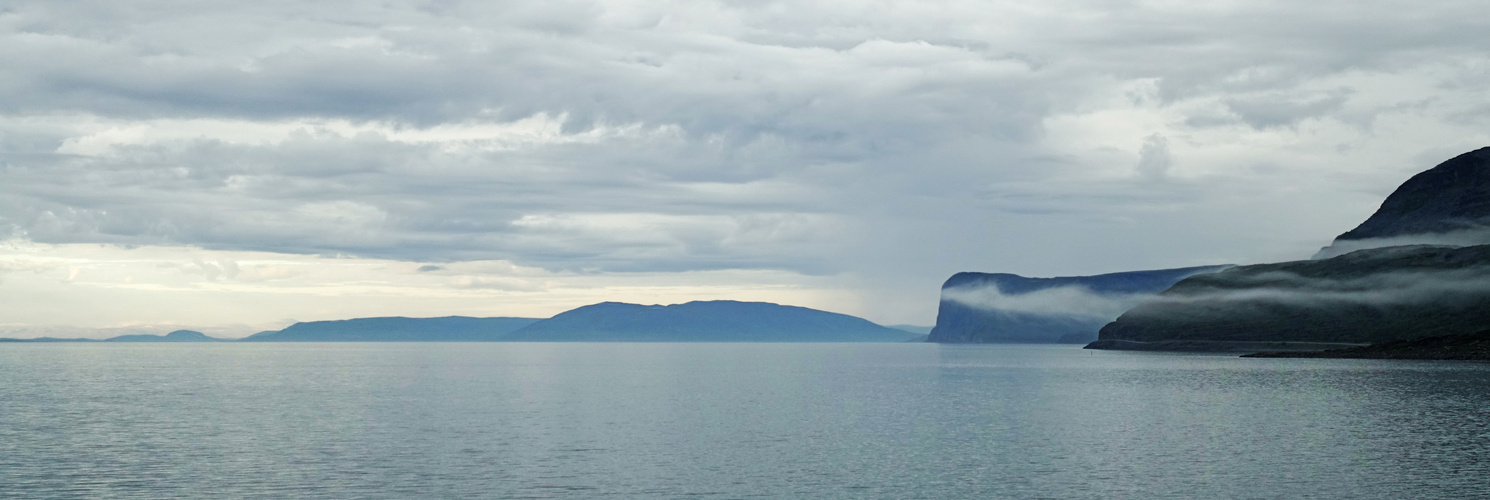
{"x":1467,"y":347}
{"x":1216,"y":346}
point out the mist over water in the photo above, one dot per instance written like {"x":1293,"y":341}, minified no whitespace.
{"x":350,"y":420}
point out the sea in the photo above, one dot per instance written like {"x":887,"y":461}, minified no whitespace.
{"x":681,"y":420}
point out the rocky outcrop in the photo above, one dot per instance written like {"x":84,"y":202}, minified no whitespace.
{"x":1468,"y":347}
{"x":1008,"y":308}
{"x":1239,"y":346}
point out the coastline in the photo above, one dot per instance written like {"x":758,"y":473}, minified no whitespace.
{"x":1464,"y":347}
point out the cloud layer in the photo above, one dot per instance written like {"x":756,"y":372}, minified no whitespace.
{"x":886,"y":145}
{"x":1072,"y":300}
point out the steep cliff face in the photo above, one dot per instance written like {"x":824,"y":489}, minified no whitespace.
{"x":1446,"y":205}
{"x":1365,"y":296}
{"x":1008,"y":308}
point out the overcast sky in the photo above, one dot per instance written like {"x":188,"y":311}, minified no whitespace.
{"x":234,"y":166}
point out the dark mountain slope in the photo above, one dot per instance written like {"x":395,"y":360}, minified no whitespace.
{"x":1448,"y":204}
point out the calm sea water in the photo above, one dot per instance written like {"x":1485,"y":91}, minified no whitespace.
{"x":729,"y":421}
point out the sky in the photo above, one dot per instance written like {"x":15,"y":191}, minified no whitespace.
{"x":237,"y":166}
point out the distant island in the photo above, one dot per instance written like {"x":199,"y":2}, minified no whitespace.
{"x":397,"y":329}
{"x":705,"y":321}
{"x":1008,"y":308}
{"x":176,"y":336}
{"x":711,"y":321}
{"x":700,"y":321}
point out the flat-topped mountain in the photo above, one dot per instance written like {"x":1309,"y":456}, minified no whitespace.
{"x":176,"y":336}
{"x":1446,"y":205}
{"x":711,"y":321}
{"x":998,"y":307}
{"x":396,"y":329}
{"x":1367,"y":296}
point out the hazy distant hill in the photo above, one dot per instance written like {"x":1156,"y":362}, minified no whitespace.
{"x":397,"y":329}
{"x":716,"y":321}
{"x":176,"y":336}
{"x":1008,"y":308}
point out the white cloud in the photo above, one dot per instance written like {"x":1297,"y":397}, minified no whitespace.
{"x":1154,"y":159}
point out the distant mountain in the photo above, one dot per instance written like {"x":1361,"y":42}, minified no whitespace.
{"x":397,"y":329}
{"x":716,"y":321}
{"x":1008,"y":308}
{"x":1366,"y":296}
{"x":176,"y":336}
{"x":1447,"y":205}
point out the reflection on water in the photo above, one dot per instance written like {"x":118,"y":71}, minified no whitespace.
{"x":730,"y":420}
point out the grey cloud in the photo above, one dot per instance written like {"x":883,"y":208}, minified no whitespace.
{"x":372,"y":197}
{"x":1276,"y":111}
{"x":884,"y":139}
{"x":1154,"y":159}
